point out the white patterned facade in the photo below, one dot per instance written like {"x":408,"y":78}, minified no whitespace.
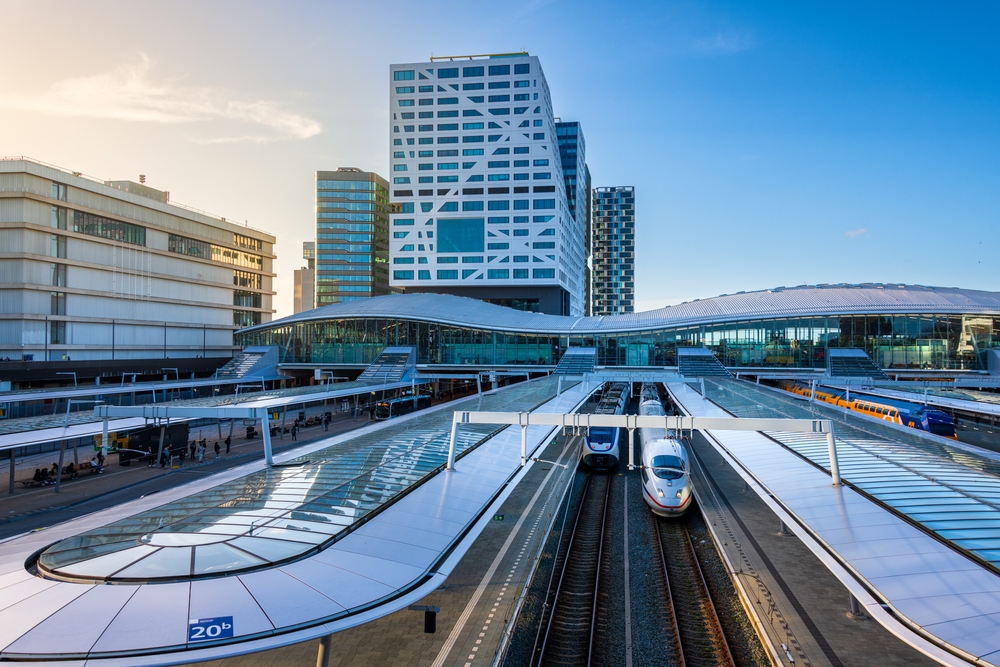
{"x":478,"y":191}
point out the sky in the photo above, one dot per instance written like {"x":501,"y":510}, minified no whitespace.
{"x":770,"y":143}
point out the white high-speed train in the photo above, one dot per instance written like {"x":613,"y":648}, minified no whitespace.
{"x":666,"y":475}
{"x":600,"y":446}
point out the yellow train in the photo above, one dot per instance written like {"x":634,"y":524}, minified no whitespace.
{"x":913,"y":415}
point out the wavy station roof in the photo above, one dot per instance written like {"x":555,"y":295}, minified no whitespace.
{"x":801,"y":301}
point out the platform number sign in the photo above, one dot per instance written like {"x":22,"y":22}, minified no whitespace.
{"x":205,"y":629}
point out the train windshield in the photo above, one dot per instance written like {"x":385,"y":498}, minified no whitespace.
{"x":947,"y":430}
{"x":600,"y":435}
{"x":668,"y":467}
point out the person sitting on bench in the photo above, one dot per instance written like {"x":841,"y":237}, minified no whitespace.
{"x":95,"y":465}
{"x":70,"y":470}
{"x":39,"y":476}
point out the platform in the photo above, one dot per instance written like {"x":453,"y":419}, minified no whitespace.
{"x":400,"y":551}
{"x":937,"y":599}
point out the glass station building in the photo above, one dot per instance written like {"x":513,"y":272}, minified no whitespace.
{"x":899,"y":326}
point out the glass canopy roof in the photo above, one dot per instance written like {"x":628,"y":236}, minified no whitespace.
{"x":949,"y":491}
{"x":280,"y":513}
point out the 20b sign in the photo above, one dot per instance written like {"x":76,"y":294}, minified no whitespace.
{"x":204,"y":629}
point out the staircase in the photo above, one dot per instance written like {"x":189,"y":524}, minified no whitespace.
{"x":251,"y":362}
{"x":394,"y":364}
{"x":851,"y":362}
{"x":577,"y":361}
{"x":699,"y":362}
{"x":238,"y":366}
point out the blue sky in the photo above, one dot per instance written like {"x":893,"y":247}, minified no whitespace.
{"x":770,"y":143}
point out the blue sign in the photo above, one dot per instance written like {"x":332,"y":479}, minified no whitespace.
{"x":205,"y":629}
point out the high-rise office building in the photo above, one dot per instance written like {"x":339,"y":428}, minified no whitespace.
{"x":304,"y":297}
{"x":478,"y":185}
{"x":614,"y":250}
{"x":114,"y":270}
{"x":573,"y":156}
{"x":352,"y":235}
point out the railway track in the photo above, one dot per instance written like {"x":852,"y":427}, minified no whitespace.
{"x":566,"y":631}
{"x":694,"y":627}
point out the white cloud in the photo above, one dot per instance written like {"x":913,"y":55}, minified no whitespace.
{"x":724,"y":44}
{"x":854,"y":233}
{"x":129,"y":93}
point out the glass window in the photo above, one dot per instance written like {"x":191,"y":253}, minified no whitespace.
{"x":399,"y":235}
{"x":403,"y":75}
{"x":402,"y":222}
{"x":472,"y":71}
{"x":472,"y":206}
{"x":520,"y":274}
{"x":447,"y":179}
{"x":541,"y":163}
{"x":445,"y":274}
{"x":402,"y":275}
{"x":447,"y":260}
{"x":495,"y":137}
{"x":475,"y":178}
{"x":472,"y":126}
{"x":521,"y":84}
{"x":543,"y":273}
{"x":544,"y":203}
{"x":542,"y":175}
{"x":461,"y":235}
{"x":499,"y":164}
{"x":499,"y":70}
{"x":447,"y":140}
{"x":468,"y":165}
{"x":497,"y":98}
{"x":472,"y":86}
{"x":543,"y":245}
{"x":500,"y":112}
{"x":524,"y":68}
{"x":447,"y":100}
{"x":448,"y":73}
{"x":473,"y":139}
{"x":470,"y":112}
{"x":406,"y":103}
{"x":499,"y":177}
{"x":404,"y":90}
{"x":472,"y":151}
{"x":520,"y":177}
{"x":424,"y":274}
{"x":426,"y":89}
{"x":447,"y":165}
{"x":447,"y":114}
{"x":539,"y":136}
{"x":501,"y":151}
{"x":499,"y":205}
{"x":521,"y":149}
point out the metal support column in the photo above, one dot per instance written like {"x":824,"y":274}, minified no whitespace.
{"x":62,"y":452}
{"x":284,"y":411}
{"x":856,"y":613}
{"x":268,"y":461}
{"x":812,"y":390}
{"x":323,"y":654}
{"x":702,"y":380}
{"x":631,"y":449}
{"x":12,"y":471}
{"x":413,"y":391}
{"x":159,"y":451}
{"x":524,"y":444}
{"x":559,"y":386}
{"x":104,"y":437}
{"x":451,"y":442}
{"x":831,"y":446}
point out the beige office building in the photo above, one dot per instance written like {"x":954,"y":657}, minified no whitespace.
{"x":95,"y":269}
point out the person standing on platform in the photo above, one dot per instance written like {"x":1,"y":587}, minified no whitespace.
{"x":217,"y":449}
{"x":295,"y":431}
{"x":229,"y":441}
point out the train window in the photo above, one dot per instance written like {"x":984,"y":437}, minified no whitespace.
{"x":645,"y":475}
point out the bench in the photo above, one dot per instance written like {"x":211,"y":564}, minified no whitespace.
{"x":66,"y":474}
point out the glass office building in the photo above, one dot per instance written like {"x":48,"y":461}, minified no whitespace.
{"x":899,"y":326}
{"x":352,"y":236}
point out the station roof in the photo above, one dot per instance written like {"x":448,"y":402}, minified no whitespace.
{"x":801,"y":301}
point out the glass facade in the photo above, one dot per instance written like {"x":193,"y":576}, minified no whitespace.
{"x":352,"y":236}
{"x":893,"y":341}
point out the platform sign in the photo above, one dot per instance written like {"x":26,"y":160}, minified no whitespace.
{"x":205,"y":629}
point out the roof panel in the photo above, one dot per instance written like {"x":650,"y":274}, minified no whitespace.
{"x":801,"y":301}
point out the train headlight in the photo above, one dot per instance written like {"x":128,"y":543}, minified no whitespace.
{"x":680,"y":493}
{"x":659,"y":492}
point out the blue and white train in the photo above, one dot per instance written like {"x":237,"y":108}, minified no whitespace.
{"x":600,"y":446}
{"x":666,"y":474}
